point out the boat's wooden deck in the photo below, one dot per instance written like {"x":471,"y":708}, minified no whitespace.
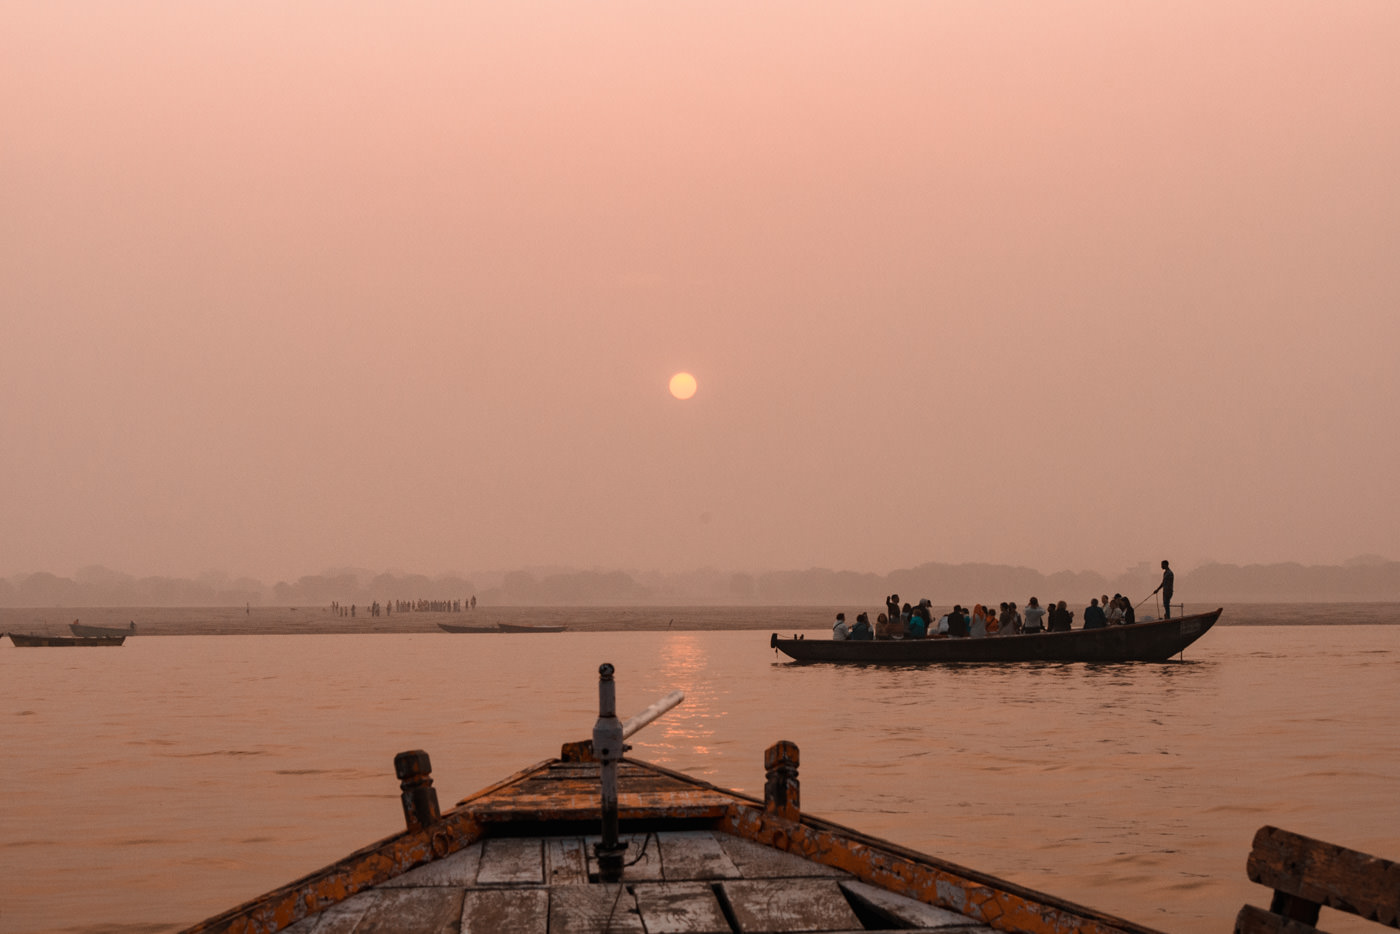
{"x":519,"y":856}
{"x":681,"y":881}
{"x":568,"y":791}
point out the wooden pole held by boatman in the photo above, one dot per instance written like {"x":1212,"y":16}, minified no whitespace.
{"x":608,"y":749}
{"x":420,"y":802}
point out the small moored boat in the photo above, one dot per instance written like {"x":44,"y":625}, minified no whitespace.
{"x":29,"y":640}
{"x":450,"y":627}
{"x":527,"y":627}
{"x":1152,"y":641}
{"x":91,"y":632}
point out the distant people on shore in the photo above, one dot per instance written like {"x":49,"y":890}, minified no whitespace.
{"x":404,"y":606}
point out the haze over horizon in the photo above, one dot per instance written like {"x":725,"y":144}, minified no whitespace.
{"x":355,"y":285}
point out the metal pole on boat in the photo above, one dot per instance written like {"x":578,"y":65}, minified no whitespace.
{"x":608,"y":749}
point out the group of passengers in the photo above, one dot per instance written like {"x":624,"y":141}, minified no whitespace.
{"x":908,"y":621}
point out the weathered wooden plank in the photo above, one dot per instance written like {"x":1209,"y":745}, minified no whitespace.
{"x":1004,"y":905}
{"x":548,"y":805}
{"x":511,"y":861}
{"x":1253,"y":920}
{"x":640,"y":847}
{"x":421,"y":911}
{"x":756,"y":861}
{"x":908,"y":912}
{"x":689,"y":855}
{"x":775,"y":905}
{"x":459,"y":869}
{"x":685,"y":908}
{"x":1327,"y":874}
{"x":492,"y":911}
{"x":337,"y":919}
{"x":564,"y":861}
{"x":588,"y":909}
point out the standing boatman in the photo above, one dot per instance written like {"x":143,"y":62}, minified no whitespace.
{"x":1165,"y":586}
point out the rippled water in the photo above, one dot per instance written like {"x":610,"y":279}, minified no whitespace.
{"x":148,"y":787}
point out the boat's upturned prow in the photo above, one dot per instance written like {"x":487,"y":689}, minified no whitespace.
{"x":1153,"y":641}
{"x":594,"y":842}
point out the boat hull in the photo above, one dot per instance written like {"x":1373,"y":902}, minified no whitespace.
{"x":1155,"y":641}
{"x":449,"y":627}
{"x":84,"y":631}
{"x":24,"y":640}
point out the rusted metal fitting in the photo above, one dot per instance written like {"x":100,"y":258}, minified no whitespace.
{"x":608,"y":748}
{"x":419,"y":798}
{"x":781,"y":789}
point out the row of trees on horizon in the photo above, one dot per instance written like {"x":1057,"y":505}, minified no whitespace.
{"x":1363,"y":579}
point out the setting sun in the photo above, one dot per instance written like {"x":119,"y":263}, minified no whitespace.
{"x":683,"y":385}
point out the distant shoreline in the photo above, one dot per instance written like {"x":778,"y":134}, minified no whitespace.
{"x":237,"y":620}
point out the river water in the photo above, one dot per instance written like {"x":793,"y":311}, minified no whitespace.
{"x":150,"y":786}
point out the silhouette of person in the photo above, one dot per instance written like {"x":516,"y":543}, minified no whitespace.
{"x":1168,"y":579}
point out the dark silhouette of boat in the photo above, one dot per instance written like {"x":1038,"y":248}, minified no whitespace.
{"x":1153,"y":641}
{"x":502,"y":627}
{"x":29,"y":640}
{"x":448,"y":627}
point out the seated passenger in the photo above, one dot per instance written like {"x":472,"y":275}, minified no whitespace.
{"x":1035,"y":614}
{"x":840,"y":631}
{"x":861,"y":630}
{"x":1061,"y":618}
{"x":978,"y":628}
{"x":1115,"y":609}
{"x":958,"y":624}
{"x":884,"y":629}
{"x":1094,"y":617}
{"x":918,"y":623}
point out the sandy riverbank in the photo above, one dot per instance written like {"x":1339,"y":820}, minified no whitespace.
{"x":262,"y":620}
{"x":170,"y":621}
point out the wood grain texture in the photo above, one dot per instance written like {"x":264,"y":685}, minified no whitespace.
{"x":770,"y":905}
{"x":680,"y":908}
{"x":1253,"y":920}
{"x":511,"y":861}
{"x":1326,"y":874}
{"x":520,"y":911}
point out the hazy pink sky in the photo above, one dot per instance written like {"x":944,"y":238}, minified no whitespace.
{"x":400,"y":286}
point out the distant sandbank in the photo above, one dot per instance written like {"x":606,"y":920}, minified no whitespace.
{"x":264,"y":620}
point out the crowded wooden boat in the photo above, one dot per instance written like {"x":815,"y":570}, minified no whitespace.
{"x":1150,"y":641}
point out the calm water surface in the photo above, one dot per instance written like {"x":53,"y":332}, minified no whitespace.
{"x":148,"y":787}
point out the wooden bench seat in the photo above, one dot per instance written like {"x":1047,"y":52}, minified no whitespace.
{"x":1307,"y":874}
